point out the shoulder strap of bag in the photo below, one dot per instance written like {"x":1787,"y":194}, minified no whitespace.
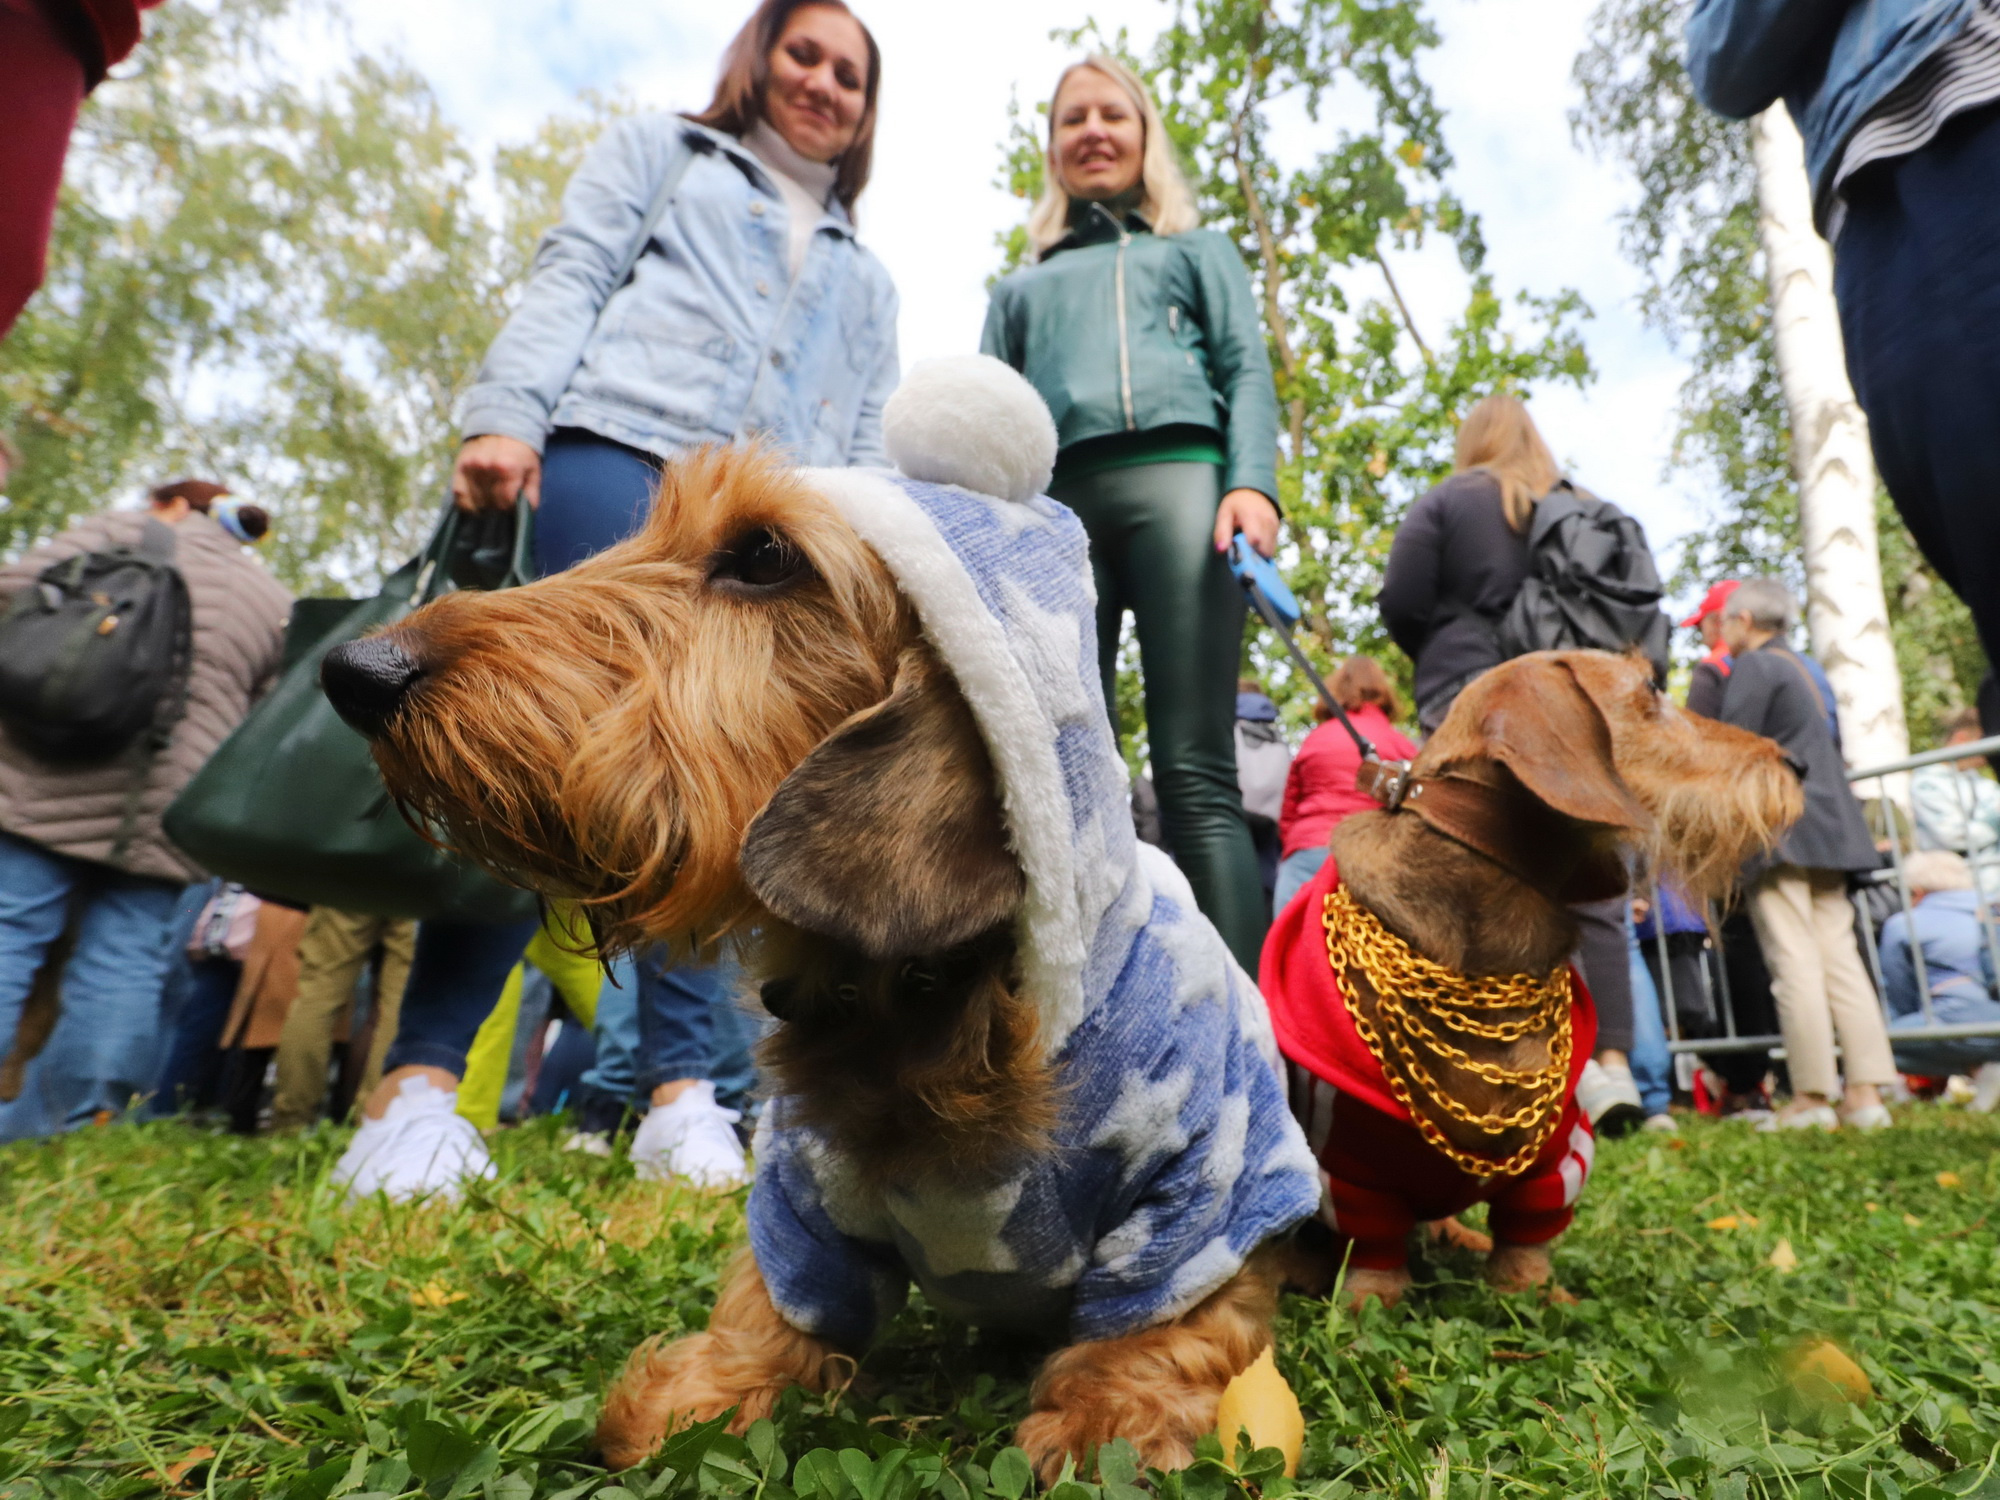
{"x":1800,"y":667}
{"x":685,"y":147}
{"x":157,"y":542}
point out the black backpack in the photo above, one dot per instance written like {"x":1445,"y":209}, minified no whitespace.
{"x":94,"y":653}
{"x":1591,"y":583}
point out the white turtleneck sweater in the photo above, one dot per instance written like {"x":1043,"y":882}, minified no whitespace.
{"x":804,"y":184}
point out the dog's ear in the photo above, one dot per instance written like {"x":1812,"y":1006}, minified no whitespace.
{"x":1545,"y":728}
{"x":889,"y":835}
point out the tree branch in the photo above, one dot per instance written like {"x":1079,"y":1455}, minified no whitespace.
{"x":1409,"y":323}
{"x":1274,"y":280}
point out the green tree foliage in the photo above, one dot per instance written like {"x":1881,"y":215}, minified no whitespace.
{"x":279,"y":286}
{"x":1313,"y":141}
{"x":1693,"y":233}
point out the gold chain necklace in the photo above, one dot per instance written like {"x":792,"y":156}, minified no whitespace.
{"x":1411,"y":993}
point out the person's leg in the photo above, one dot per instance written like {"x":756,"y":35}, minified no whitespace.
{"x":1605,"y":959}
{"x":1188,"y":612}
{"x":332,"y":953}
{"x":676,"y":1023}
{"x":194,"y":1055}
{"x":42,"y":81}
{"x":455,"y":981}
{"x":736,"y":1032}
{"x":111,"y":995}
{"x":1917,"y":279}
{"x":594,"y":493}
{"x":1295,"y":872}
{"x":35,"y":888}
{"x":609,"y":1087}
{"x":1865,"y":1060}
{"x":1781,"y":910}
{"x":392,"y":975}
{"x":1652,"y":1064}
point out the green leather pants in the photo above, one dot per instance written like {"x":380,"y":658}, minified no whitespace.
{"x":1152,"y":551}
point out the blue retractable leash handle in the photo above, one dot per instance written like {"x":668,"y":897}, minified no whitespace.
{"x":1272,"y":598}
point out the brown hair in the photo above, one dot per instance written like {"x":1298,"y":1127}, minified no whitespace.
{"x":200,"y":494}
{"x":1960,"y":720}
{"x":1362,"y":679}
{"x":1499,"y":438}
{"x":738,"y":102}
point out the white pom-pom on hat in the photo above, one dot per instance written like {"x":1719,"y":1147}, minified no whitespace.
{"x":972,"y":421}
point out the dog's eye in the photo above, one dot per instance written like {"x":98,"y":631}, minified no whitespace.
{"x":758,"y":562}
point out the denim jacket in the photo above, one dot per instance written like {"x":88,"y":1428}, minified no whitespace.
{"x":710,"y":339}
{"x":1831,"y":62}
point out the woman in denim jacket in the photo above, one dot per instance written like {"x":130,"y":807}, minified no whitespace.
{"x":751,"y":310}
{"x":1141,"y":333}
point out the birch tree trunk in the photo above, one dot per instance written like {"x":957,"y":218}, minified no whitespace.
{"x":1847,"y":616}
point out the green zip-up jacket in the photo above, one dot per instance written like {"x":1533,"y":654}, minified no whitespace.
{"x":1123,"y":330}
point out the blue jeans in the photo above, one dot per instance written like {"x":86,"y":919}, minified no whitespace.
{"x":594,"y":493}
{"x":1295,"y":871}
{"x":1652,"y":1064}
{"x":689,"y":1026}
{"x":194,"y":1056}
{"x":1917,"y":279}
{"x":105,"y":1050}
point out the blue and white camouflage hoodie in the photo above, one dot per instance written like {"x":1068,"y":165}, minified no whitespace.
{"x":1175,"y":1155}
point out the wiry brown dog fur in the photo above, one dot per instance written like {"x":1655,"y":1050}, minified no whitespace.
{"x":1588,"y":735}
{"x":731,"y":724}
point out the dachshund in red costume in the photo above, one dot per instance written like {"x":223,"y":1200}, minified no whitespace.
{"x":1432,"y":1026}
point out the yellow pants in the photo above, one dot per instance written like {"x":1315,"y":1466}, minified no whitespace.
{"x":577,"y":976}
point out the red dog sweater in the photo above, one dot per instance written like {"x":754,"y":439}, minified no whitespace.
{"x":1380,"y":1177}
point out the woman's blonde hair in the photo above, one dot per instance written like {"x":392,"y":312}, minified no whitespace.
{"x":1166,"y":202}
{"x":1498,"y":437}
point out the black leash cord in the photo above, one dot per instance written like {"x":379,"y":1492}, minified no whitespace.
{"x":1264,"y":608}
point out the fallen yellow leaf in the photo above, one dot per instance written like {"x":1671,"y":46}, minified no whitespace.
{"x":1727,"y":1221}
{"x":1871,"y":1207}
{"x":1950,"y":1180}
{"x":1825,"y":1369}
{"x":1913,"y":1221}
{"x":179,"y":1467}
{"x":432,"y":1294}
{"x":1783,"y":1258}
{"x":1261,"y":1403}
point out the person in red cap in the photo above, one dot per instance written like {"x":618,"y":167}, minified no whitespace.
{"x":1711,"y":673}
{"x":52,"y":53}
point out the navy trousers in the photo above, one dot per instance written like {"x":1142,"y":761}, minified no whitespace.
{"x":1917,"y":277}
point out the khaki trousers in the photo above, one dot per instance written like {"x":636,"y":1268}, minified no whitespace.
{"x":1805,"y":925}
{"x":332,"y":954}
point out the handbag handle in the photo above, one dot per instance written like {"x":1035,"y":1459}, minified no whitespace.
{"x":447,"y":557}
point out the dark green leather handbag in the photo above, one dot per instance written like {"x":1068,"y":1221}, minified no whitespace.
{"x":291,"y":804}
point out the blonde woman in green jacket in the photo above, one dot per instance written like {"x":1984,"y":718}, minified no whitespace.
{"x":1141,"y":333}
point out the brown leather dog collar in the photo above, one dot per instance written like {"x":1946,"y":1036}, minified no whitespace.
{"x":1506,"y":824}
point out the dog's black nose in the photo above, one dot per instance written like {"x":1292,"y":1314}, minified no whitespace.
{"x":366,"y":681}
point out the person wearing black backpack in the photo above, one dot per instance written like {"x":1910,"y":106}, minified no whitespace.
{"x":1506,"y":557}
{"x":130,"y":646}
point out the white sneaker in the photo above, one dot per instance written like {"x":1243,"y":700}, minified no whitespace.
{"x":1869,"y":1117}
{"x":1609,"y":1097}
{"x":420,"y":1147}
{"x":1661,"y":1124}
{"x":1985,"y":1089}
{"x":693,"y":1139}
{"x":1812,"y":1117}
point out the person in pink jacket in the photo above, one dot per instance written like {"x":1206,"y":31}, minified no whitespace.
{"x":1320,"y":791}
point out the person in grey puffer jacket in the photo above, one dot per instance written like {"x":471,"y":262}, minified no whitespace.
{"x":69,"y":855}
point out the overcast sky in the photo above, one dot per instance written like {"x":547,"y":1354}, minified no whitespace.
{"x":1502,"y":75}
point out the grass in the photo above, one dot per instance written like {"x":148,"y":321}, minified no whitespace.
{"x":187,"y":1314}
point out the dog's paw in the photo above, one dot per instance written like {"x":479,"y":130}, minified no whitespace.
{"x":1522,"y":1268}
{"x":1449,"y":1234}
{"x":1386,"y":1287}
{"x":1053,"y":1438}
{"x":665,"y":1387}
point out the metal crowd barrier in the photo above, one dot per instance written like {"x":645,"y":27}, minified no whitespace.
{"x":1897,"y":829}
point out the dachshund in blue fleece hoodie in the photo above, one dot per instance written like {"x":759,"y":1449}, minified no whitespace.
{"x":854,"y":716}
